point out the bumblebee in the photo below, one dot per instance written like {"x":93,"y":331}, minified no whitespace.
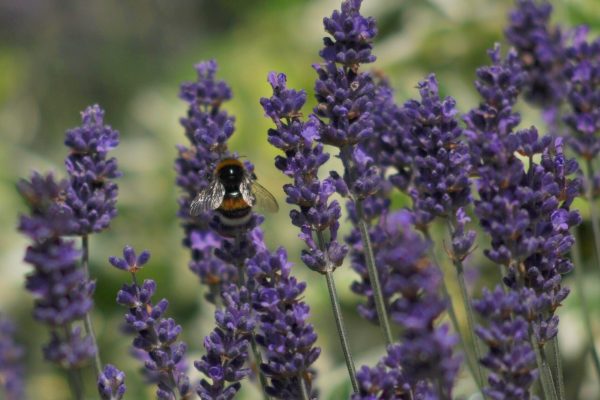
{"x":232,"y":193}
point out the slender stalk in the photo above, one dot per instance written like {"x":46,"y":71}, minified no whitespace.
{"x":339,"y":320}
{"x":548,"y":387}
{"x":593,"y":210}
{"x":255,"y":350}
{"x":75,"y":385}
{"x":373,"y":274}
{"x":89,"y":327}
{"x":303,"y":389}
{"x":258,"y":359}
{"x":585,"y":311}
{"x":471,"y":363}
{"x":466,"y":302}
{"x":346,"y":157}
{"x":560,"y":383}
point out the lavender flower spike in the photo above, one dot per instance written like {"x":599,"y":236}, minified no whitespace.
{"x":441,"y":159}
{"x":155,"y":335}
{"x":92,"y":194}
{"x":316,"y":216}
{"x":111,"y":383}
{"x":11,"y":358}
{"x":207,"y":129}
{"x":541,"y":50}
{"x":511,"y":359}
{"x":227,"y":347}
{"x":345,"y":101}
{"x":285,"y":332}
{"x":63,"y":295}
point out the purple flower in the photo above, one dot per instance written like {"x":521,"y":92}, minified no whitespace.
{"x":317,"y":217}
{"x":284,"y":331}
{"x":207,"y":128}
{"x":227,"y":347}
{"x":583,"y":76}
{"x":381,"y":382}
{"x":391,"y":145}
{"x":524,"y":210}
{"x":92,"y":194}
{"x":155,"y":335}
{"x":345,"y":97}
{"x":541,"y":50}
{"x":62,"y":293}
{"x":130,"y":262}
{"x":11,"y":357}
{"x":440,"y":158}
{"x":351,"y":36}
{"x":510,"y":359}
{"x":111,"y":383}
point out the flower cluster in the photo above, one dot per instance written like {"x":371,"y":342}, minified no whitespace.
{"x":391,"y":145}
{"x":111,"y":383}
{"x":316,"y":216}
{"x":345,"y":96}
{"x":540,"y":48}
{"x":284,"y":331}
{"x":155,"y":335}
{"x":511,"y":360}
{"x":63,"y":295}
{"x":11,"y":357}
{"x":525,"y":210}
{"x":583,"y":75}
{"x":207,"y":128}
{"x":440,"y":158}
{"x":423,"y":361}
{"x":91,"y":195}
{"x":227,"y":347}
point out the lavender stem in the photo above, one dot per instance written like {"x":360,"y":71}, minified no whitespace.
{"x":558,"y":364}
{"x":466,"y":302}
{"x":339,"y":320}
{"x":584,"y":304}
{"x":373,"y":274}
{"x":89,"y":327}
{"x":303,"y":389}
{"x":545,"y":374}
{"x":472,"y":364}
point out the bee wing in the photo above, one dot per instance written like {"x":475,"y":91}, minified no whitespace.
{"x":246,"y":190}
{"x":265,"y":201}
{"x":208,"y":199}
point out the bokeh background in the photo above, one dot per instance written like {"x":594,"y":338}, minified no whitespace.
{"x":58,"y":56}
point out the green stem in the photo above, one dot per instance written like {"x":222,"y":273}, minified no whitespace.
{"x":75,"y":384}
{"x":548,"y":387}
{"x":338,"y":317}
{"x":258,"y":359}
{"x":382,"y":317}
{"x":585,"y":311}
{"x":466,"y":302}
{"x":89,"y":327}
{"x":555,"y":350}
{"x":471,"y":363}
{"x":593,"y":210}
{"x":373,"y":274}
{"x":303,"y":389}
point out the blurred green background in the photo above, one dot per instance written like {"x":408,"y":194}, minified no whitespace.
{"x":58,"y":56}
